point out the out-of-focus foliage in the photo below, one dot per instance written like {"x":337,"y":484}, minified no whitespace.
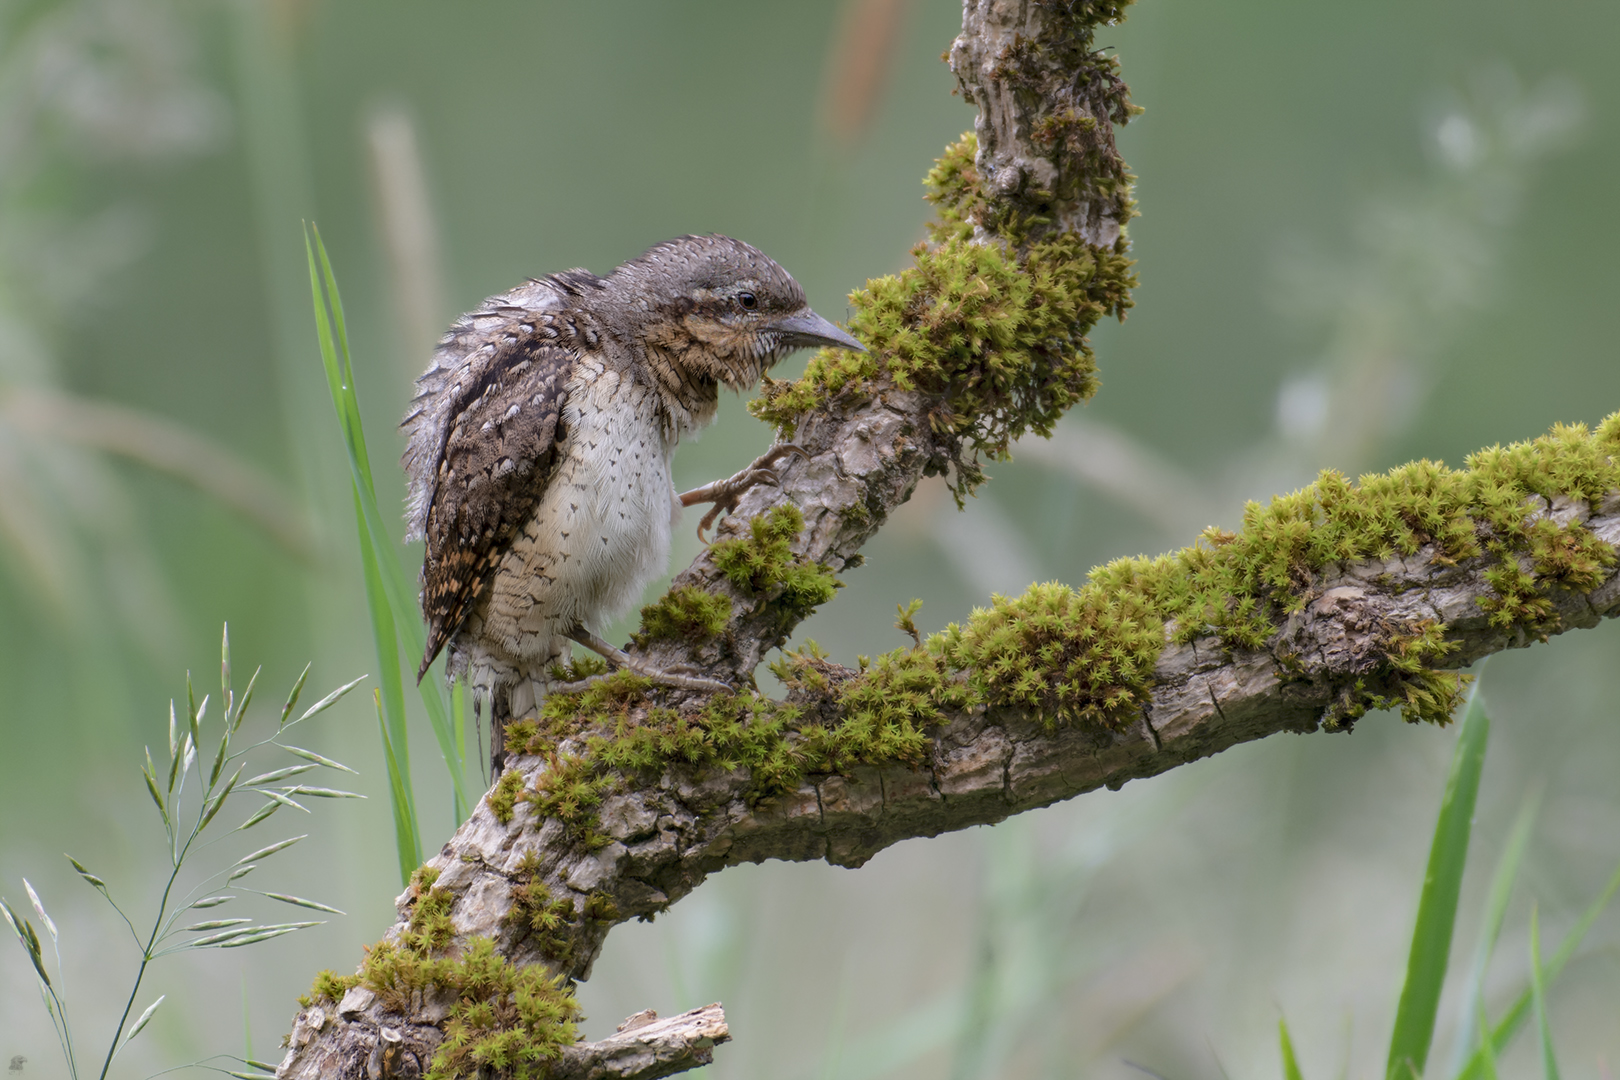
{"x":186,"y":887}
{"x":95,"y":94}
{"x":85,"y":85}
{"x":1369,"y":233}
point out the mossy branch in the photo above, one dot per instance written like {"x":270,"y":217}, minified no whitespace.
{"x":1327,"y":602}
{"x":1339,"y":598}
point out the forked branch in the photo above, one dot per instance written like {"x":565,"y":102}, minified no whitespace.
{"x":620,"y":800}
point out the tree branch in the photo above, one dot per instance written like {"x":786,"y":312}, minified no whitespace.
{"x":620,"y":800}
{"x":644,"y":1047}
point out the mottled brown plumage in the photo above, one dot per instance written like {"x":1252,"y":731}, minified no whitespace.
{"x":540,"y":443}
{"x":492,"y":471}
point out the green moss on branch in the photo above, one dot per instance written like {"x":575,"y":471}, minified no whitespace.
{"x":614,"y":738}
{"x":507,"y":1020}
{"x":503,"y":798}
{"x":553,"y":921}
{"x":1071,"y":656}
{"x":1090,"y":653}
{"x":686,"y":613}
{"x":763,"y":563}
{"x":997,"y":339}
{"x":1087,"y":656}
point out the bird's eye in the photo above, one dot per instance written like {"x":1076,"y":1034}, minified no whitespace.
{"x":748,"y":301}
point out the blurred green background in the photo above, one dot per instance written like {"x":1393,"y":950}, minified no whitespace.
{"x":1369,"y":233}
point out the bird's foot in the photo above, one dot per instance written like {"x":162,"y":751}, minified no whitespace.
{"x":766,"y":469}
{"x":662,"y":678}
{"x":671,"y":677}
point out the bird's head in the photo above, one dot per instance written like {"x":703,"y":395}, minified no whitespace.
{"x":722,"y":309}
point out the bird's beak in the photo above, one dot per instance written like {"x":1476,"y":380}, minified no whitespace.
{"x":809,"y":329}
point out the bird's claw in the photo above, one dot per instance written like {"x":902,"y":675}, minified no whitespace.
{"x":724,"y":494}
{"x":618,"y":658}
{"x":687,"y":682}
{"x":662,"y":678}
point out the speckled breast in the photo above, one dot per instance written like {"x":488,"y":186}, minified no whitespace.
{"x":601,"y":532}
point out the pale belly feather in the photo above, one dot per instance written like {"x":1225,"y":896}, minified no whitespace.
{"x":601,"y":532}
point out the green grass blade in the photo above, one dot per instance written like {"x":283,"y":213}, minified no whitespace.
{"x":1290,"y":1064}
{"x":384,"y":628}
{"x":391,"y":698}
{"x":1487,"y":1052}
{"x":1538,"y":991}
{"x":1507,"y":871}
{"x":340,"y":377}
{"x":405,"y":842}
{"x":391,"y":714}
{"x":1508,"y":1026}
{"x":1437,"y":907}
{"x":396,"y":585}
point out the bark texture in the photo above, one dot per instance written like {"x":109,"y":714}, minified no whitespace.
{"x":644,"y":1047}
{"x":1048,"y":104}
